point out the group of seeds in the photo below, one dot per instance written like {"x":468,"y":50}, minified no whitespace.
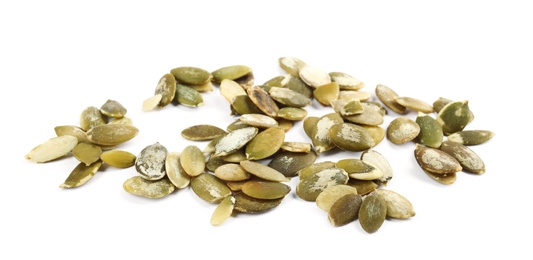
{"x":244,"y":167}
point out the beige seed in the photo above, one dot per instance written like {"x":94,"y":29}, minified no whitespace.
{"x":87,"y":153}
{"x":446,"y":179}
{"x":291,"y":65}
{"x":263,"y":171}
{"x":223,"y":211}
{"x":91,"y":117}
{"x":122,"y":121}
{"x":398,"y":206}
{"x":81,"y":175}
{"x":436,"y":161}
{"x":231,"y":172}
{"x":234,"y":140}
{"x":259,"y":120}
{"x":331,"y":194}
{"x":350,"y":95}
{"x":52,"y":149}
{"x":387,"y":96}
{"x":230,"y":89}
{"x":265,"y":189}
{"x":113,"y":109}
{"x":265,"y":144}
{"x":192,"y":160}
{"x":414,"y":104}
{"x":297,"y":147}
{"x":150,"y":163}
{"x":73,"y":131}
{"x":379,"y":161}
{"x":345,"y":81}
{"x":402,"y":130}
{"x":149,"y":189}
{"x":152,"y":102}
{"x":175,"y":173}
{"x":327,"y":93}
{"x":313,"y":76}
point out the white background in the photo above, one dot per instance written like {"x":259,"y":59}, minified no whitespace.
{"x":59,"y":57}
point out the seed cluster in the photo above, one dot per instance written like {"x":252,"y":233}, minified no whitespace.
{"x":244,"y":168}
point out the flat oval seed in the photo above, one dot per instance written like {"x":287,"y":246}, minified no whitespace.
{"x":347,"y":107}
{"x":442,"y":102}
{"x":275,"y":82}
{"x":243,"y":105}
{"x":289,"y":163}
{"x":265,"y":144}
{"x":446,"y":179}
{"x":73,"y":131}
{"x":415,"y":104}
{"x":386,"y":95}
{"x":358,"y":169}
{"x":289,"y":97}
{"x":296,"y":147}
{"x":471,"y":137}
{"x":112,"y":108}
{"x":398,"y":206}
{"x":454,"y":117}
{"x":188,"y":96}
{"x":314,"y":77}
{"x":223,"y":211}
{"x":379,"y":161}
{"x":296,"y":84}
{"x":402,"y":130}
{"x":259,"y":120}
{"x":202,"y":132}
{"x":265,"y":189}
{"x":81,"y":175}
{"x":118,"y":158}
{"x":91,"y":117}
{"x":192,"y":160}
{"x":263,"y":101}
{"x":234,"y":140}
{"x":263,"y":171}
{"x":149,"y":189}
{"x":311,"y":170}
{"x":363,"y":187}
{"x":309,"y":123}
{"x":430,"y":131}
{"x":310,"y":187}
{"x":331,"y":194}
{"x":230,"y":90}
{"x":191,"y":75}
{"x":350,"y":137}
{"x":152,"y":102}
{"x":231,"y":72}
{"x":350,"y":95}
{"x":367,"y":117}
{"x":246,"y":81}
{"x":166,"y":87}
{"x":231,"y":172}
{"x":122,"y":121}
{"x":150,"y":162}
{"x":209,"y":188}
{"x":236,"y":156}
{"x":327,"y":93}
{"x":436,"y":161}
{"x":468,"y":159}
{"x":247,"y":204}
{"x":175,"y":172}
{"x":291,"y":65}
{"x":377,"y":133}
{"x":112,"y":134}
{"x":345,"y":210}
{"x":372,"y":213}
{"x":292,"y":113}
{"x":52,"y":149}
{"x":320,"y":132}
{"x":345,"y":81}
{"x":87,"y":153}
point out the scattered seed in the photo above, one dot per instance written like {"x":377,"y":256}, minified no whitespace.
{"x":468,"y":159}
{"x":436,"y":161}
{"x":265,"y":144}
{"x":372,"y":213}
{"x":447,"y":179}
{"x":118,"y":158}
{"x":414,"y":104}
{"x":247,"y":204}
{"x":113,"y":109}
{"x":296,"y":147}
{"x":402,"y":130}
{"x":112,"y":134}
{"x":52,"y":149}
{"x":471,"y":137}
{"x":363,"y":187}
{"x":202,"y":132}
{"x":345,"y":210}
{"x":350,"y":137}
{"x":454,"y":117}
{"x":81,"y":175}
{"x":265,"y":189}
{"x":387,"y":96}
{"x":150,"y":163}
{"x":188,"y":96}
{"x":350,"y":95}
{"x":87,"y":153}
{"x":191,"y":75}
{"x":230,"y":72}
{"x":152,"y":189}
{"x":320,"y":132}
{"x":379,"y":161}
{"x":289,"y":97}
{"x":292,"y":113}
{"x":259,"y":120}
{"x":209,"y":188}
{"x":367,"y":117}
{"x":289,"y":163}
{"x":152,"y":102}
{"x":331,"y":194}
{"x":231,"y":172}
{"x":327,"y":93}
{"x":234,"y":140}
{"x":73,"y":131}
{"x":345,"y":81}
{"x":397,"y":205}
{"x":309,"y":123}
{"x":291,"y":65}
{"x":223,"y":211}
{"x":310,"y":187}
{"x":192,"y":160}
{"x":314,"y":77}
{"x":263,"y":171}
{"x":430,"y":131}
{"x":263,"y":101}
{"x":360,"y":170}
{"x":91,"y":117}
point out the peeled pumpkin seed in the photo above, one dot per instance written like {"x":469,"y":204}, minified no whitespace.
{"x":246,"y":81}
{"x":265,"y":144}
{"x":297,"y":147}
{"x":358,"y":169}
{"x":213,"y":162}
{"x":223,"y":211}
{"x":347,"y":107}
{"x":350,"y":137}
{"x":331,"y":194}
{"x":398,"y":206}
{"x":387,"y":96}
{"x":441,"y":102}
{"x":379,"y":161}
{"x":454,"y":117}
{"x":230,"y":89}
{"x":363,"y":187}
{"x":265,"y":189}
{"x":309,"y":124}
{"x":345,"y":210}
{"x":192,"y":160}
{"x":202,"y":132}
{"x":320,"y":132}
{"x":285,"y":124}
{"x":289,"y":97}
{"x":402,"y":130}
{"x":414,"y":104}
{"x":345,"y":81}
{"x":209,"y":188}
{"x":206,"y":87}
{"x":122,"y":121}
{"x":112,"y":134}
{"x":152,"y":189}
{"x":292,"y":113}
{"x":374,"y":106}
{"x":367,"y":117}
{"x":350,"y":95}
{"x":314,"y":77}
{"x":275,"y":82}
{"x":289,"y":163}
{"x":372,"y":213}
{"x":231,"y":172}
{"x":327,"y":93}
{"x":258,"y":120}
{"x":118,"y":158}
{"x":447,"y":179}
{"x":310,"y":187}
{"x":113,"y":109}
{"x":235,"y":185}
{"x":377,"y":133}
{"x":166,"y":87}
{"x":150,"y":163}
{"x":244,"y":105}
{"x":263,"y":171}
{"x":210,"y":147}
{"x":152,"y":102}
{"x":296,"y":84}
{"x":188,"y":96}
{"x":191,"y":75}
{"x":81,"y":175}
{"x":247,"y":204}
{"x":91,"y":117}
{"x":291,"y":65}
{"x":436,"y":161}
{"x":468,"y":159}
{"x":235,"y":157}
{"x":73,"y":131}
{"x":263,"y":101}
{"x":52,"y":149}
{"x":234,"y":140}
{"x":471,"y":137}
{"x":230,"y":72}
{"x":87,"y":153}
{"x":311,"y":170}
{"x":430,"y":131}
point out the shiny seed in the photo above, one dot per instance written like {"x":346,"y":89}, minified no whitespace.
{"x":266,"y":189}
{"x":118,"y":158}
{"x":265,"y":144}
{"x":148,"y":188}
{"x":247,"y":204}
{"x":363,"y":187}
{"x":386,"y":95}
{"x":358,"y":169}
{"x":372,"y":213}
{"x":296,"y":84}
{"x":291,"y":65}
{"x":263,"y":101}
{"x":350,"y":137}
{"x":454,"y":117}
{"x":152,"y":102}
{"x":331,"y":194}
{"x":402,"y":130}
{"x":235,"y":140}
{"x":447,"y":179}
{"x":259,"y":120}
{"x":289,"y":163}
{"x":112,"y":108}
{"x":292,"y":113}
{"x":231,"y":172}
{"x":209,"y":188}
{"x":309,"y":123}
{"x":289,"y":97}
{"x":345,"y":210}
{"x":377,"y":133}
{"x":263,"y":171}
{"x":223,"y":211}
{"x":150,"y":162}
{"x":367,"y":117}
{"x":468,"y":159}
{"x":166,"y":87}
{"x":73,"y":131}
{"x":112,"y":134}
{"x":314,"y":77}
{"x":350,"y":95}
{"x":192,"y":160}
{"x":81,"y":175}
{"x":91,"y":117}
{"x":188,"y":96}
{"x":297,"y":147}
{"x":379,"y":161}
{"x":310,"y":187}
{"x":87,"y":153}
{"x":230,"y":72}
{"x":320,"y":133}
{"x":414,"y":104}
{"x":191,"y":75}
{"x":398,"y":206}
{"x":430,"y":131}
{"x":345,"y":81}
{"x":326,"y":93}
{"x":436,"y":161}
{"x":471,"y":137}
{"x":52,"y":149}
{"x":202,"y":132}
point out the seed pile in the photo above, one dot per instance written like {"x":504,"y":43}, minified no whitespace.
{"x":245,"y":165}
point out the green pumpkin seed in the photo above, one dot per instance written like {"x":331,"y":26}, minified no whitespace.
{"x":147,"y":188}
{"x":291,"y":65}
{"x":230,"y":72}
{"x":191,"y":75}
{"x":235,"y":157}
{"x":234,"y":140}
{"x":87,"y":153}
{"x":285,"y":124}
{"x":209,"y":188}
{"x":326,"y":93}
{"x":166,"y":87}
{"x":430,"y":131}
{"x":192,"y":160}
{"x":440,"y":103}
{"x":259,"y":120}
{"x":358,"y":169}
{"x":350,"y":95}
{"x":331,"y":194}
{"x":446,"y":179}
{"x":350,"y":137}
{"x":402,"y":130}
{"x":118,"y":158}
{"x":311,"y":170}
{"x":296,"y":84}
{"x":367,"y":117}
{"x":274,"y":82}
{"x":150,"y":163}
{"x":188,"y":96}
{"x":377,"y":133}
{"x":243,"y":105}
{"x":311,"y":186}
{"x":231,"y":172}
{"x":91,"y":117}
{"x":345,"y":81}
{"x":81,"y":175}
{"x":374,"y":106}
{"x":210,"y":147}
{"x":235,"y":185}
{"x":152,"y":102}
{"x":387,"y":96}
{"x":214,"y":162}
{"x":292,"y":113}
{"x":246,"y":81}
{"x":414,"y":104}
{"x":398,"y":206}
{"x":202,"y":132}
{"x":73,"y":131}
{"x":347,"y":107}
{"x":345,"y":210}
{"x":468,"y":159}
{"x":289,"y":97}
{"x":313,"y":76}
{"x":320,"y":133}
{"x":265,"y":144}
{"x":379,"y":161}
{"x":52,"y":149}
{"x":230,"y":89}
{"x":454,"y":117}
{"x":436,"y":161}
{"x":265,"y":189}
{"x":113,"y":109}
{"x":372,"y":213}
{"x":296,"y":147}
{"x":112,"y":134}
{"x":363,"y":187}
{"x":263,"y":171}
{"x":263,"y":101}
{"x":309,"y":123}
{"x":122,"y":121}
{"x":247,"y":204}
{"x":289,"y":163}
{"x":471,"y":137}
{"x":223,"y":211}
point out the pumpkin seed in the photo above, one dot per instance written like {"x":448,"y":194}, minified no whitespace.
{"x":202,"y":132}
{"x":150,"y":163}
{"x":284,"y":124}
{"x":291,"y":65}
{"x":327,"y":93}
{"x":372,"y":213}
{"x":289,"y":163}
{"x":152,"y":189}
{"x":313,"y":76}
{"x":236,"y":156}
{"x":374,"y":106}
{"x":454,"y":117}
{"x":81,"y":175}
{"x":350,"y":95}
{"x":118,"y":158}
{"x":471,"y":137}
{"x":387,"y":96}
{"x":358,"y":169}
{"x":152,"y":102}
{"x":441,"y":102}
{"x":331,"y":194}
{"x":244,"y":105}
{"x":263,"y":101}
{"x":468,"y":159}
{"x":436,"y":161}
{"x":113,"y":109}
{"x":289,"y":97}
{"x":265,"y":189}
{"x":350,"y":137}
{"x":379,"y":161}
{"x":297,"y":147}
{"x":345,"y":81}
{"x":230,"y":72}
{"x":234,"y":140}
{"x":311,"y":170}
{"x":191,"y":75}
{"x":52,"y":149}
{"x":363,"y":187}
{"x":292,"y":113}
{"x":112,"y":134}
{"x":223,"y":211}
{"x":73,"y":131}
{"x":430,"y":131}
{"x":91,"y":117}
{"x":309,"y":123}
{"x":274,"y":82}
{"x":414,"y":104}
{"x":367,"y":117}
{"x":263,"y":171}
{"x":296,"y":84}
{"x":259,"y":120}
{"x":320,"y":133}
{"x":231,"y":172}
{"x":247,"y":204}
{"x":192,"y":160}
{"x":235,"y":185}
{"x":230,"y":89}
{"x":398,"y":206}
{"x":265,"y":144}
{"x":188,"y":96}
{"x":209,"y":188}
{"x":377,"y":133}
{"x":210,"y":147}
{"x":347,"y":107}
{"x":122,"y":121}
{"x":345,"y":210}
{"x":402,"y":130}
{"x":246,"y":81}
{"x":166,"y":87}
{"x":214,"y":162}
{"x":447,"y":179}
{"x":87,"y":153}
{"x":310,"y":187}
